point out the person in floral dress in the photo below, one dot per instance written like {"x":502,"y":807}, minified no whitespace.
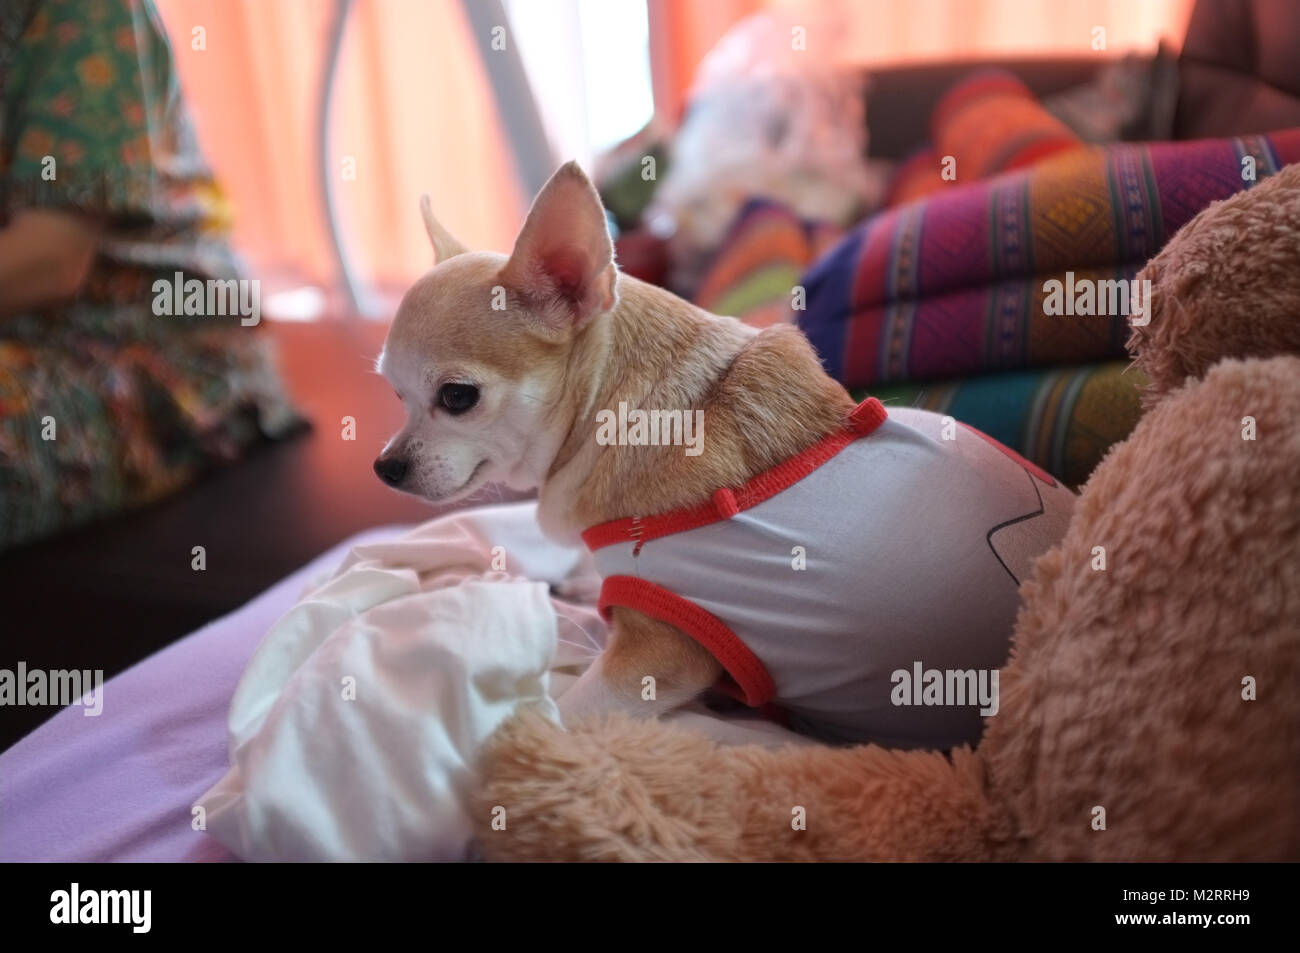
{"x":103,"y":403}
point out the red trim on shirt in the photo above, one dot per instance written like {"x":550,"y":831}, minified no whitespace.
{"x":726,"y":503}
{"x":704,"y":627}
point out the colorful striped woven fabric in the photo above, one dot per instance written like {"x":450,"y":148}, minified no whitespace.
{"x":946,"y":285}
{"x":988,"y":123}
{"x":1063,"y":419}
{"x":991,"y":122}
{"x":915,"y":177}
{"x":760,"y":262}
{"x":977,"y":330}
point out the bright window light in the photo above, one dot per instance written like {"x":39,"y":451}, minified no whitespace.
{"x":616,"y":60}
{"x":588,"y":62}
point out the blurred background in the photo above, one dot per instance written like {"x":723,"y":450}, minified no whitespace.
{"x":414,"y":102}
{"x":916,"y":170}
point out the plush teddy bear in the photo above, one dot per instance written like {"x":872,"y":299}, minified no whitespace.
{"x":1149,"y":709}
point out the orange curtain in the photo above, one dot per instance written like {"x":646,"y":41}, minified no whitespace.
{"x":868,"y":33}
{"x":681,"y":32}
{"x":413,"y":108}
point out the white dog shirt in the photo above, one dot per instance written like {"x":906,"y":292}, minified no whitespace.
{"x":882,"y":549}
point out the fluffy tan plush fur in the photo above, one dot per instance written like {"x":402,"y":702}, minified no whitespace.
{"x":1227,"y":286}
{"x":1125,"y":689}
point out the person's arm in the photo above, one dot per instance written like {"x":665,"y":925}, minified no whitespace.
{"x":45,"y":257}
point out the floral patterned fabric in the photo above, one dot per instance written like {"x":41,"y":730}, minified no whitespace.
{"x":104,"y":404}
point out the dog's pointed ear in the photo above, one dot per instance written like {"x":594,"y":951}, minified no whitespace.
{"x":444,"y":242}
{"x":563,"y":260}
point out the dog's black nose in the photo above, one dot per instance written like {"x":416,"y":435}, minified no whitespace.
{"x":391,"y":469}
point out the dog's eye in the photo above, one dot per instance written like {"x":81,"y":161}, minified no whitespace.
{"x":457,"y":398}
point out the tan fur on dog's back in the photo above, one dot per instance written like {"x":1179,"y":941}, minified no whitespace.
{"x":765,"y":397}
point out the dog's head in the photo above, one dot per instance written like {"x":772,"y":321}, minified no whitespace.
{"x":479,"y":350}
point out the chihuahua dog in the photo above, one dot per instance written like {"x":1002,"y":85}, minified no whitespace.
{"x":805,"y":554}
